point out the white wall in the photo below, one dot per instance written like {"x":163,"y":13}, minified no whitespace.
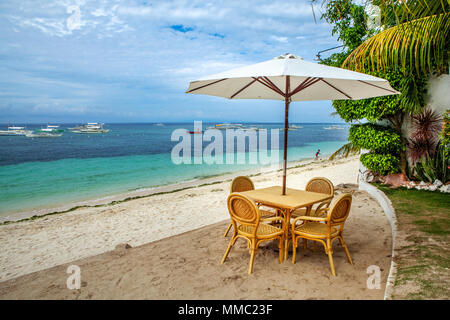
{"x":439,"y":93}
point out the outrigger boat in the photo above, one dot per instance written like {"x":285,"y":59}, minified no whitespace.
{"x":91,"y":127}
{"x":225,"y":126}
{"x":334,"y":127}
{"x":14,"y":131}
{"x":40,"y":134}
{"x":50,"y":128}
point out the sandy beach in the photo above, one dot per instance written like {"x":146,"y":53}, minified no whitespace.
{"x":178,"y":234}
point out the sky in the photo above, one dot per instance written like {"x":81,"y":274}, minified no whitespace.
{"x":70,"y":61}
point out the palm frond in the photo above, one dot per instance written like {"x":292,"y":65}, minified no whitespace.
{"x":419,"y":44}
{"x":345,"y":151}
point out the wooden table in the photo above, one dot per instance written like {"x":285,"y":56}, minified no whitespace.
{"x":293,"y":200}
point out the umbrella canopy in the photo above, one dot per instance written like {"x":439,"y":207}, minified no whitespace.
{"x":290,"y":78}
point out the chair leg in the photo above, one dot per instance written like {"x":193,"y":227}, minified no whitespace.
{"x":330,"y":256}
{"x":286,"y":247}
{"x":341,"y":240}
{"x":232,"y":241}
{"x":252,"y":256}
{"x":228,"y":229}
{"x":294,"y":248}
{"x":280,"y":249}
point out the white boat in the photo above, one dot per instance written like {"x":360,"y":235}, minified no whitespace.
{"x":159,"y":124}
{"x":295,"y":126}
{"x":14,"y":131}
{"x":225,"y":126}
{"x":40,"y":134}
{"x":50,"y":128}
{"x":334,"y":127}
{"x":91,"y":127}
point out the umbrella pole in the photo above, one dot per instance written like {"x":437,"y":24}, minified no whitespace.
{"x":286,"y":127}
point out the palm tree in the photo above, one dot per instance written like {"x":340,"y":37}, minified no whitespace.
{"x":417,"y":38}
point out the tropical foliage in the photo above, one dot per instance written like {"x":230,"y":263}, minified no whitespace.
{"x":432,"y":168}
{"x":415,"y":39}
{"x":412,"y":42}
{"x":426,"y":127}
{"x":445,"y":135}
{"x":377,"y":138}
{"x":381,"y":163}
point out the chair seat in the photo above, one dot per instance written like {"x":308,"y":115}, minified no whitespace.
{"x":316,"y":229}
{"x":322,"y":213}
{"x":264,"y":230}
{"x":266,"y":213}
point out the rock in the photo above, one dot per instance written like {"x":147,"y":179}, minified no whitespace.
{"x":396,"y":180}
{"x":369,"y":176}
{"x":422,"y":183}
{"x":121,"y":249}
{"x":122,"y":246}
{"x":437,"y":183}
{"x":432,"y":188}
{"x":445,"y":188}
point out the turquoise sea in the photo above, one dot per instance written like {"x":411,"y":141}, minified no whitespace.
{"x":38,"y":173}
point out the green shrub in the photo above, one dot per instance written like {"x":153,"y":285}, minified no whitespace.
{"x":376,"y":138}
{"x":381,"y":163}
{"x":445,"y":135}
{"x":435,"y":167}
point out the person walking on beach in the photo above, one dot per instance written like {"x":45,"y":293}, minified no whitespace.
{"x":317,"y":155}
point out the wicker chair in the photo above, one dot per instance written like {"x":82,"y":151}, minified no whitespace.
{"x":247,"y":224}
{"x":320,"y":185}
{"x":241,"y":184}
{"x":327,"y":232}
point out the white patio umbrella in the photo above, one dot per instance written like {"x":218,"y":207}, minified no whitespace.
{"x":290,"y":78}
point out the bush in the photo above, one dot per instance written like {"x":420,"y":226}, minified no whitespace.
{"x":376,"y":138}
{"x":435,"y":167}
{"x":445,"y":136}
{"x":381,"y":163}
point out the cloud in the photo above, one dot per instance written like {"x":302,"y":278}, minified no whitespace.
{"x":280,"y":39}
{"x":113,"y":55}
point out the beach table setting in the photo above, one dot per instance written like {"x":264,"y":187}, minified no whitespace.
{"x":289,"y":78}
{"x":292,"y":200}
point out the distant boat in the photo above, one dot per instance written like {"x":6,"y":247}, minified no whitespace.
{"x":295,"y":126}
{"x":90,"y":127}
{"x":225,"y":126}
{"x":14,"y":131}
{"x":159,"y":124}
{"x":40,"y":134}
{"x":49,"y":128}
{"x":334,"y":127}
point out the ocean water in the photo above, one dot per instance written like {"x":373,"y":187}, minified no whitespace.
{"x":38,"y":173}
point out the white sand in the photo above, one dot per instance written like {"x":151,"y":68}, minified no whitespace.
{"x":57,"y":239}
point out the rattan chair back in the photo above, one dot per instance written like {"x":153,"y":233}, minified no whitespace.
{"x":243,"y":209}
{"x":341,"y":209}
{"x":320,"y":185}
{"x":241,"y":184}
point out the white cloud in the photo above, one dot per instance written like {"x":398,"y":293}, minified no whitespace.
{"x":280,"y":39}
{"x":109,"y":52}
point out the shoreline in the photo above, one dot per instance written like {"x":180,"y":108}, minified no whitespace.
{"x":139,"y":193}
{"x":48,"y":241}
